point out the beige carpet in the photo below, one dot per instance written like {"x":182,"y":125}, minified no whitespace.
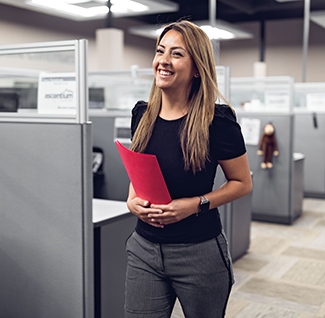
{"x":283,"y":273}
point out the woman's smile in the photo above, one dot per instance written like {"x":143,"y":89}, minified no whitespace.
{"x":165,"y":73}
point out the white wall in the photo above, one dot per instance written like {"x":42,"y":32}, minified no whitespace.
{"x":22,"y":26}
{"x":283,"y":51}
{"x":283,"y":54}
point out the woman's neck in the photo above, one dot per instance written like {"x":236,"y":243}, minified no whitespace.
{"x":173,"y":108}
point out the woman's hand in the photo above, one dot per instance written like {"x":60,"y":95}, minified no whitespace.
{"x":175,"y":211}
{"x":142,"y":210}
{"x":160,"y":215}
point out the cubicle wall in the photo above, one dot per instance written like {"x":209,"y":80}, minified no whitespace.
{"x":46,"y":229}
{"x":45,"y":221}
{"x":277,"y":194}
{"x":309,"y":140}
{"x":236,"y":219}
{"x":274,"y":196}
{"x":309,"y":135}
{"x":115,"y":181}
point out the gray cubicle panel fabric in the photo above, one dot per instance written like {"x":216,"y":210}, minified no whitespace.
{"x":45,"y":232}
{"x":272,"y":198}
{"x":309,"y":140}
{"x":236,"y":218}
{"x":116,"y":181}
{"x":241,"y":217}
{"x":298,"y":186}
{"x":219,"y":180}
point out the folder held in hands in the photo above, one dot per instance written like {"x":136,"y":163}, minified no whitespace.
{"x":145,"y":175}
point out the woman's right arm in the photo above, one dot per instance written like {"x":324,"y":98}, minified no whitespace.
{"x":141,"y":208}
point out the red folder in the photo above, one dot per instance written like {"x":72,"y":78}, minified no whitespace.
{"x":145,"y":175}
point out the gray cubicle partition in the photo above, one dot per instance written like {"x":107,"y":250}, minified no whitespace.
{"x":46,"y":229}
{"x":309,"y":140}
{"x":46,"y":224}
{"x":236,"y":219}
{"x":115,"y":184}
{"x":276,"y":194}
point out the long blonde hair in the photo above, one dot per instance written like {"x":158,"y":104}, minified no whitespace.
{"x":194,"y":135}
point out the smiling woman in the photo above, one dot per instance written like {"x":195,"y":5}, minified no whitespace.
{"x":179,"y":250}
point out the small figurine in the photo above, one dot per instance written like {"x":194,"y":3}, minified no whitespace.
{"x":268,"y":146}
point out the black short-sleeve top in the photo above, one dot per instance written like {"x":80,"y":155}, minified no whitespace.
{"x":226,"y":142}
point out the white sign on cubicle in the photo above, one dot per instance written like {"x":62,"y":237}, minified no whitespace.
{"x":251,"y":130}
{"x":315,"y":101}
{"x":277,"y":99}
{"x":56,"y":93}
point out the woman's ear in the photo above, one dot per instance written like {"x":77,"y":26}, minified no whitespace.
{"x":197,"y":74}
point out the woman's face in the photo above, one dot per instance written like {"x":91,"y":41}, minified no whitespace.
{"x":173,"y":66}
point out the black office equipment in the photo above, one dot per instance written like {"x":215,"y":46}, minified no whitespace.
{"x":9,"y":102}
{"x":98,"y":174}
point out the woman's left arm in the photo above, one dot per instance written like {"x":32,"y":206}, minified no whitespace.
{"x":238,"y":184}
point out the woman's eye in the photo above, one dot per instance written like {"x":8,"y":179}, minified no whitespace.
{"x":159,"y":51}
{"x":177,"y":54}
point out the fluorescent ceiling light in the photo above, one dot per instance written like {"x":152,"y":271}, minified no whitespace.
{"x":80,"y":10}
{"x":127,"y":5}
{"x":220,"y":30}
{"x":76,"y":8}
{"x":70,"y":9}
{"x":318,"y":17}
{"x":215,"y":33}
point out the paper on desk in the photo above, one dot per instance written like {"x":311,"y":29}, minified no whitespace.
{"x":145,"y":175}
